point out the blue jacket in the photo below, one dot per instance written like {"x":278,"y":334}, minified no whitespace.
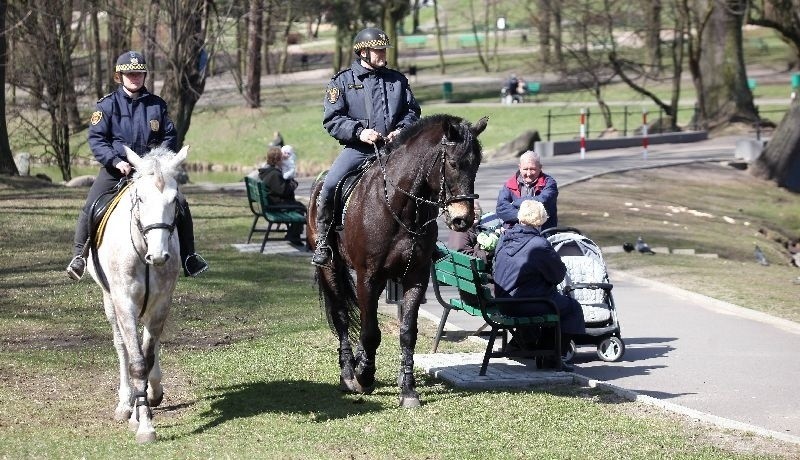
{"x":512,"y":195}
{"x":526,"y":265}
{"x":358,"y":98}
{"x":140,"y":123}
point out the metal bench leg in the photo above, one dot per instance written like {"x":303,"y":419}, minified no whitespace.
{"x":489,"y":349}
{"x":252,"y":229}
{"x":440,"y":331}
{"x":266,"y":235}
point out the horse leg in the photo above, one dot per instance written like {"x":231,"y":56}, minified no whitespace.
{"x":340,"y":319}
{"x":151,"y":347}
{"x":123,"y":409}
{"x":408,"y":341}
{"x":140,"y":420}
{"x":370,"y":337}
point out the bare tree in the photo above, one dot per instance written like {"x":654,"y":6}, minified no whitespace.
{"x":780,"y":161}
{"x":439,"y":50}
{"x":185,"y":52}
{"x":7,"y":165}
{"x":252,"y":89}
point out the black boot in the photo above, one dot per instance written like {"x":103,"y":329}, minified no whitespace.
{"x":322,"y":252}
{"x":193,"y":263}
{"x":565,"y":364}
{"x":77,"y":265}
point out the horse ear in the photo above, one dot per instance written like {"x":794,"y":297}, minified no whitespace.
{"x":451,"y":132}
{"x":478,"y":127}
{"x":134,"y":159}
{"x":180,"y":157}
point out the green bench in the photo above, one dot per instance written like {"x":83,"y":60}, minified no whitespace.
{"x":533,"y":87}
{"x":469,"y":40}
{"x":415,"y":41}
{"x":472,"y":280}
{"x":275,"y":215}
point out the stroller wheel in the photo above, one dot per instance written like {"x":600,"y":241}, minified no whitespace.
{"x":569,"y":353}
{"x":611,"y":349}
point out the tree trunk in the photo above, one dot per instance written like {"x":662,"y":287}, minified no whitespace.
{"x":97,"y":54}
{"x":252,"y":87}
{"x":723,"y":83}
{"x":545,"y":19}
{"x":120,"y":28}
{"x":652,"y":35}
{"x":780,"y":161}
{"x":7,"y":165}
{"x":439,"y":50}
{"x":151,"y":41}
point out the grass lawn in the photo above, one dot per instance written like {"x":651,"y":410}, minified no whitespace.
{"x":250,"y":367}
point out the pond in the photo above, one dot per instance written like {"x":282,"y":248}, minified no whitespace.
{"x":225,"y":177}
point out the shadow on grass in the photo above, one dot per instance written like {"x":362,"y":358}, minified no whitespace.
{"x":323,"y":400}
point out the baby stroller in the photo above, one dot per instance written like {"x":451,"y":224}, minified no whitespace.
{"x":587,"y":282}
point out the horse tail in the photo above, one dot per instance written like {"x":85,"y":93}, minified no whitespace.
{"x":337,"y":295}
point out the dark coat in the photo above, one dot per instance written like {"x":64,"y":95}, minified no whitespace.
{"x":359,"y":98}
{"x":526,"y":265}
{"x":512,"y":194}
{"x":141,"y":124}
{"x":281,"y":191}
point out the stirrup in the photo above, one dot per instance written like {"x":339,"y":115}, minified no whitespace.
{"x":322,"y":255}
{"x":76,"y":267}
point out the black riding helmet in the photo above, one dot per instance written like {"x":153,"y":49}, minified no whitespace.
{"x":370,"y":38}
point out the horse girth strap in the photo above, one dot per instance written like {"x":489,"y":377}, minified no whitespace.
{"x":101,"y":227}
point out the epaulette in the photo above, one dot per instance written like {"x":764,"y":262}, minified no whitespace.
{"x":105,"y":97}
{"x":339,"y":73}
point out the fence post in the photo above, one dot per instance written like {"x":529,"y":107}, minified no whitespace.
{"x":758,"y":124}
{"x":549,"y":120}
{"x":583,"y":133}
{"x":644,"y":132}
{"x":625,"y":122}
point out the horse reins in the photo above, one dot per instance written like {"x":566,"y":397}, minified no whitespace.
{"x":441,"y":204}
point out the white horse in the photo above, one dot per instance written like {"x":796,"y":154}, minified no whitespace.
{"x":137,"y":265}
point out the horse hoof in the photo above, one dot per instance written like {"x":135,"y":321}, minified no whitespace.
{"x":155,"y":401}
{"x":122,"y":414}
{"x":143,"y":438}
{"x":409,"y":402}
{"x":133,"y":425}
{"x":348,"y":385}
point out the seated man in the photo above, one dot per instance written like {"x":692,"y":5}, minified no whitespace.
{"x":281,"y":191}
{"x":529,"y":183}
{"x":526,"y":265}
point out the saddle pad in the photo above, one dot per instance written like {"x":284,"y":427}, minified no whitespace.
{"x":101,"y":226}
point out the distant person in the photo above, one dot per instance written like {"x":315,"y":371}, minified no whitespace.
{"x":288,"y":162}
{"x":277,"y":140}
{"x":281,"y":191}
{"x":365,"y":105}
{"x":528,"y":183}
{"x":511,"y":88}
{"x":526,"y":265}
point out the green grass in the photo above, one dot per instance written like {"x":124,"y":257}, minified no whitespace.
{"x":250,"y":368}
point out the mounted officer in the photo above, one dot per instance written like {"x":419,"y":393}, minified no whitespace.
{"x":130,"y":116}
{"x":365,"y":104}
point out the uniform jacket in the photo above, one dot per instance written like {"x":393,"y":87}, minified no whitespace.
{"x":141,"y":124}
{"x":511,"y":196}
{"x":526,"y":265}
{"x":359,"y":98}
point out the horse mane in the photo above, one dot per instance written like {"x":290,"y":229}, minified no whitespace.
{"x":157,"y":162}
{"x":414,"y":130}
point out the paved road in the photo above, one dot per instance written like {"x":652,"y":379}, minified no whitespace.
{"x":682,"y":348}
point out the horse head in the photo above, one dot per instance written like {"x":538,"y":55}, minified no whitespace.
{"x":154,"y":196}
{"x":461,"y":157}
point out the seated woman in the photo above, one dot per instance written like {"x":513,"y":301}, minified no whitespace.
{"x":281,"y":191}
{"x":526,"y":265}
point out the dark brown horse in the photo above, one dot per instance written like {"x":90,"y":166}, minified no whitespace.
{"x":390,"y":232}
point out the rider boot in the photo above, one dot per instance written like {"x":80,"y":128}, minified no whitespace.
{"x":322,"y":252}
{"x":77,"y":265}
{"x":193,"y":263}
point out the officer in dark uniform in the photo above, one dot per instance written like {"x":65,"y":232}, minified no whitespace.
{"x":364,"y":104}
{"x":134,"y":117}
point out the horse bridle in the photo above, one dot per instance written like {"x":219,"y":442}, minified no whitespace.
{"x":136,"y":216}
{"x":442,"y":202}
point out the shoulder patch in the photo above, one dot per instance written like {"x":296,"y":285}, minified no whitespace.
{"x":106,"y":96}
{"x":333,"y":94}
{"x":96,"y":117}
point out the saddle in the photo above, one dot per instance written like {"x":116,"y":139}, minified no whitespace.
{"x":345,"y":187}
{"x":101,"y":210}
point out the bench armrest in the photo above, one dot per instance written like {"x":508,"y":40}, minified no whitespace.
{"x":604,"y":286}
